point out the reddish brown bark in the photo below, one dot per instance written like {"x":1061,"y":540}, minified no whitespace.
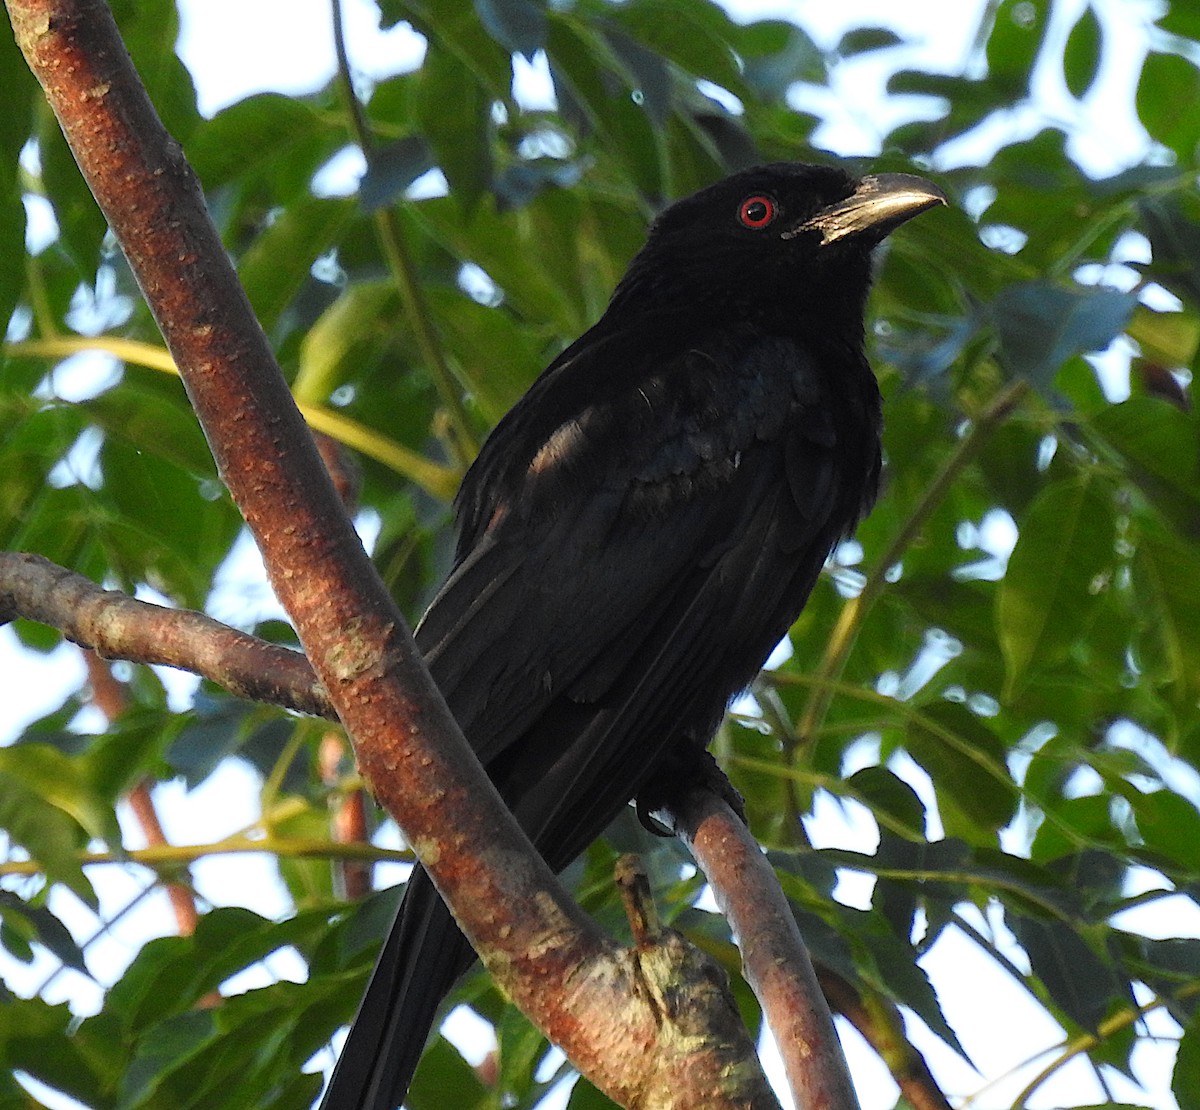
{"x":774,"y":957}
{"x":574,"y":982}
{"x":116,"y":626}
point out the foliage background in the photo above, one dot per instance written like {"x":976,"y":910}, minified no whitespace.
{"x":1001,"y":675}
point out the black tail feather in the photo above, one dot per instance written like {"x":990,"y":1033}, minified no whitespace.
{"x":422,"y":957}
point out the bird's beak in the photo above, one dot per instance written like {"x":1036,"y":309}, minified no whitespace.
{"x":880,"y":203}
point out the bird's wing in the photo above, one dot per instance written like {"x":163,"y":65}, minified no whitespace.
{"x":652,"y":548}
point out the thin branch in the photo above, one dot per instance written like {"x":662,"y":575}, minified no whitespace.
{"x":1085,"y":1042}
{"x":776,"y":961}
{"x":882,"y":1027}
{"x":112,"y":698}
{"x":168,"y":857}
{"x":117,"y":626}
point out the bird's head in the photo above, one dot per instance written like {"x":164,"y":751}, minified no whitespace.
{"x":781,"y":244}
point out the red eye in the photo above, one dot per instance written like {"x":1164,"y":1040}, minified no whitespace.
{"x":757,"y":211}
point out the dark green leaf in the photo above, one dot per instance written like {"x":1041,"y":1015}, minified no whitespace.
{"x":276,"y":266}
{"x":1080,"y":982}
{"x":863,"y":40}
{"x":517,"y":25}
{"x":1040,"y":325}
{"x":37,"y":923}
{"x":692,"y":34}
{"x":454,"y":113}
{"x":891,"y":796}
{"x":391,"y":169}
{"x":443,"y":1069}
{"x":776,"y":55}
{"x":1081,"y":56}
{"x":1185,"y":1079}
{"x":1063,"y":552}
{"x":965,"y":759}
{"x":1166,"y":82}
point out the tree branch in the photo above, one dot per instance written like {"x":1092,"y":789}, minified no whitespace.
{"x":116,"y":626}
{"x":774,"y":958}
{"x":554,"y":963}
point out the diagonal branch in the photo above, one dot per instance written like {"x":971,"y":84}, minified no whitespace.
{"x":550,"y":958}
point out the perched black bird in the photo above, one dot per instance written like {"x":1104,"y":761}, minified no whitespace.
{"x":641,"y":530}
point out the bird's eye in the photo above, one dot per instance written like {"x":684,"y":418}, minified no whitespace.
{"x":757,"y":211}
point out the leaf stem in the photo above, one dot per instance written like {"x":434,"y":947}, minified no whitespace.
{"x":1085,"y":1042}
{"x":438,"y":480}
{"x":167,"y":856}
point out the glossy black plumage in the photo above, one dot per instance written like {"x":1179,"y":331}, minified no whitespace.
{"x":642,"y":529}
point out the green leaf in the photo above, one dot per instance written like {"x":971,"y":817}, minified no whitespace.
{"x":25,"y":922}
{"x":886,"y":793}
{"x":278,"y":264}
{"x":152,"y":415}
{"x":1013,"y":46}
{"x":1166,"y":571}
{"x":16,"y":126}
{"x":778,"y":53}
{"x":499,"y":357}
{"x":454,"y":112}
{"x":150,"y":29}
{"x":1172,"y":224}
{"x":1064,"y":549}
{"x":1081,"y":56}
{"x":517,"y":25}
{"x":1081,"y":983}
{"x":1162,"y":454}
{"x":965,"y":759}
{"x":693,"y":34}
{"x":1166,"y":82}
{"x":444,"y":1069}
{"x":343,"y":337}
{"x":391,"y":169}
{"x":1041,"y":325}
{"x":1071,"y":822}
{"x":864,"y":40}
{"x":263,"y":136}
{"x":38,"y":1039}
{"x":1185,"y":1079}
{"x":46,"y":801}
{"x":1170,"y":827}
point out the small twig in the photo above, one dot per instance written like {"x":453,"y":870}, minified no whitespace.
{"x":634,"y":887}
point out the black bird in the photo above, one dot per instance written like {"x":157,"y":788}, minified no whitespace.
{"x":641,"y":530}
